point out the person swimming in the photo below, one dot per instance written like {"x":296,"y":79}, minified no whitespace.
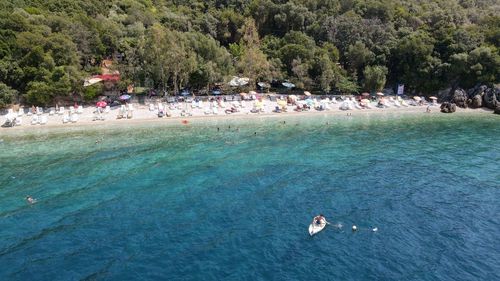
{"x":30,"y":199}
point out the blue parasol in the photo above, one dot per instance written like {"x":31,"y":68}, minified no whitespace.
{"x":125,"y":97}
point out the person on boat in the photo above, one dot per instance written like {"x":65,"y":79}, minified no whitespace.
{"x":318,"y":219}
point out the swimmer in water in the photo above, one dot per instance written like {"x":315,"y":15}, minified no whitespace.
{"x":30,"y":199}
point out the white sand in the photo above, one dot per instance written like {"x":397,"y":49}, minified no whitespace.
{"x":141,"y":113}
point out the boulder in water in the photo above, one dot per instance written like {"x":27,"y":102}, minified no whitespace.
{"x":448,"y":107}
{"x":497,"y":110}
{"x":459,"y":98}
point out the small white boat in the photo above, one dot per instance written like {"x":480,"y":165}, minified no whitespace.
{"x":315,"y":228}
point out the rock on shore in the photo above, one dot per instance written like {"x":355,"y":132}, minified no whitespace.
{"x":477,"y":97}
{"x":448,"y":107}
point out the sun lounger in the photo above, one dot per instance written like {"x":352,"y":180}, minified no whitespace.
{"x":80,"y":109}
{"x":215,"y":110}
{"x":43,"y":119}
{"x":73,"y":118}
{"x":121,"y":112}
{"x":61,"y":110}
{"x":65,"y":118}
{"x":10,"y":119}
{"x":151,"y":107}
{"x":35,"y":120}
{"x":207,"y":110}
{"x":20,"y":112}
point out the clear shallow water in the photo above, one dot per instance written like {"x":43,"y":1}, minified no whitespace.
{"x":193,"y":203}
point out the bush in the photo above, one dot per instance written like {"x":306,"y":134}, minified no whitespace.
{"x":7,"y":95}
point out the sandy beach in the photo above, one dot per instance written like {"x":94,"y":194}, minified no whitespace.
{"x":186,"y":112}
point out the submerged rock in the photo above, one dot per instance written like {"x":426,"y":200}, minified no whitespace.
{"x":448,"y":107}
{"x":491,"y":98}
{"x":460,"y":98}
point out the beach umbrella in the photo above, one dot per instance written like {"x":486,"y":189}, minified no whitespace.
{"x":288,"y":85}
{"x":101,"y":104}
{"x":433,"y":98}
{"x":252,"y":93}
{"x":417,"y":98}
{"x":365,"y":94}
{"x":307,"y":93}
{"x":125,"y":97}
{"x":380,"y":94}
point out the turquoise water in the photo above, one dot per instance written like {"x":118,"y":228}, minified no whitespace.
{"x":175,"y":202}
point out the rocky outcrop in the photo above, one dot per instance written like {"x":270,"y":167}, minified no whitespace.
{"x":497,"y":110}
{"x":476,"y":101}
{"x":448,"y":107}
{"x":460,"y":98}
{"x":476,"y":96}
{"x":491,"y":98}
{"x":478,"y":90}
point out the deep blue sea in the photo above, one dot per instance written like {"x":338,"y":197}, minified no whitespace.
{"x":232,"y":199}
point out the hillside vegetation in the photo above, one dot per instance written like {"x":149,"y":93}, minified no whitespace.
{"x":48,"y":47}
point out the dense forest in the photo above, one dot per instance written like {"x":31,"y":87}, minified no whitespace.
{"x":48,"y":47}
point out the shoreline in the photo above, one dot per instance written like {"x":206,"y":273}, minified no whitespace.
{"x":142,"y":115}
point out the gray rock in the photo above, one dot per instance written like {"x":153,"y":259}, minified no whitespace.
{"x":478,"y":90}
{"x":497,"y":110}
{"x":447,"y":107}
{"x":476,"y":101}
{"x":491,"y":98}
{"x":460,"y":98}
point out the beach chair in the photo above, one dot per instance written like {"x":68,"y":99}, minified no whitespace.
{"x":10,"y":121}
{"x":151,"y":107}
{"x":121,"y":112}
{"x":107,"y":109}
{"x":39,"y":110}
{"x":207,"y":110}
{"x":73,"y":118}
{"x":65,"y":118}
{"x":61,"y":110}
{"x":20,"y":112}
{"x":71,"y":110}
{"x":43,"y":119}
{"x":18,"y":121}
{"x":215,"y":110}
{"x":52,"y":112}
{"x":80,"y":109}
{"x":35,"y":120}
